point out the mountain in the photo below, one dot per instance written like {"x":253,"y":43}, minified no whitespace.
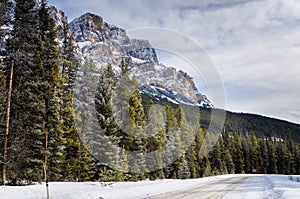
{"x":108,"y":44}
{"x":262,"y":126}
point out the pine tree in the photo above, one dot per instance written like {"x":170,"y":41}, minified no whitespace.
{"x":264,"y":163}
{"x":86,"y":164}
{"x":238,"y":154}
{"x":272,"y":161}
{"x":191,"y":153}
{"x":183,"y":137}
{"x":3,"y":95}
{"x":202,"y":154}
{"x":246,"y":154}
{"x":106,"y":141}
{"x":172,"y":136}
{"x":185,"y":172}
{"x":6,"y":9}
{"x":103,"y":102}
{"x":54,"y":142}
{"x":228,"y":162}
{"x":218,"y":162}
{"x":137,"y":142}
{"x":70,"y":64}
{"x":254,"y":152}
{"x":84,"y":94}
{"x":86,"y":121}
{"x":157,"y":141}
{"x":228,"y":150}
{"x":27,"y":108}
{"x":191,"y":157}
{"x":292,"y":151}
{"x":283,"y":158}
{"x":297,"y":157}
{"x":185,"y":132}
{"x":123,"y":169}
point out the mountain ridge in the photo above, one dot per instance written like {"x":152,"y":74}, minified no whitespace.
{"x":108,"y":44}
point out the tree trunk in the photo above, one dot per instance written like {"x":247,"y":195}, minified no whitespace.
{"x":7,"y":124}
{"x":45,"y":166}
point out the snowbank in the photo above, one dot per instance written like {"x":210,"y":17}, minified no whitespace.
{"x":255,"y":186}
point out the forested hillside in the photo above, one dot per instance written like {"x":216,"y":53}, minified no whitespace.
{"x":46,"y":136}
{"x":262,"y":126}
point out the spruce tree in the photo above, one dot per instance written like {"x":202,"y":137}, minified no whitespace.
{"x":157,"y":140}
{"x":86,"y":121}
{"x":283,"y":158}
{"x":246,"y":154}
{"x":105,"y":143}
{"x":28,"y":108}
{"x":184,"y":130}
{"x":254,"y":152}
{"x":184,"y":172}
{"x":173,"y":139}
{"x":137,"y":141}
{"x":292,"y":152}
{"x":272,"y":161}
{"x":191,"y":156}
{"x":183,"y":137}
{"x":227,"y":152}
{"x":201,"y":152}
{"x":84,"y":94}
{"x":74,"y":150}
{"x":3,"y":95}
{"x":103,"y":102}
{"x":216,"y":159}
{"x":297,"y":157}
{"x":238,"y":157}
{"x":54,"y":142}
{"x":86,"y":164}
{"x":264,"y":162}
{"x":228,"y":162}
{"x":5,"y":8}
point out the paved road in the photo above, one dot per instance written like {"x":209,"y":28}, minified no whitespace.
{"x":212,"y":190}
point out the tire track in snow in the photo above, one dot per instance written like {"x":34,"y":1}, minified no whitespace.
{"x":255,"y":187}
{"x":212,"y":190}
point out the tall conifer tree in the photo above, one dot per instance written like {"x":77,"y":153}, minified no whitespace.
{"x":54,"y":142}
{"x":28,"y":106}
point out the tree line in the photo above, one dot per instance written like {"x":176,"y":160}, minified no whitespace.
{"x":38,"y":129}
{"x":207,"y":154}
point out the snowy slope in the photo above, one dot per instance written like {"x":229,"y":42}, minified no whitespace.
{"x":255,"y":186}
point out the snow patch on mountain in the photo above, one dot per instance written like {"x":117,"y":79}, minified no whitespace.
{"x":108,"y":44}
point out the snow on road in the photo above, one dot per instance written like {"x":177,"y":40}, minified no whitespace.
{"x":215,"y":189}
{"x":226,"y":186}
{"x":267,"y":187}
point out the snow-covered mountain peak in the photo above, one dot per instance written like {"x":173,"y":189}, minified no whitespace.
{"x":108,"y":44}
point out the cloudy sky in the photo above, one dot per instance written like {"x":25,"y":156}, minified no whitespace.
{"x":254,"y":44}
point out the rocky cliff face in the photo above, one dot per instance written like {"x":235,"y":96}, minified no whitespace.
{"x":108,"y":44}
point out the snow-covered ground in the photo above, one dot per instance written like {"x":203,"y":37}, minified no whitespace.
{"x":254,"y":186}
{"x":267,"y":186}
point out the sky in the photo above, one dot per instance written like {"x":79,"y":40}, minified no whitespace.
{"x":254,"y":44}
